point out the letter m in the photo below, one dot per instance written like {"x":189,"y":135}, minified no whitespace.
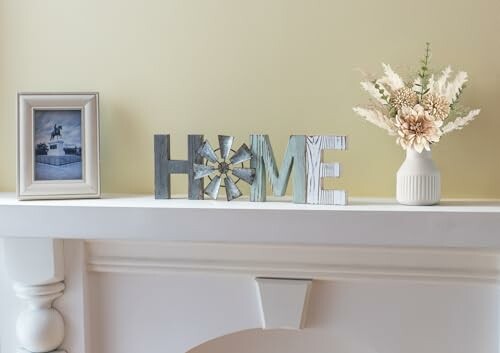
{"x":264,"y":163}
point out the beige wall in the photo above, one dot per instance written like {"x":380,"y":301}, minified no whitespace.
{"x":237,"y":67}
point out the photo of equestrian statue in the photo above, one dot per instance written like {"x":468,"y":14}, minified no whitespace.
{"x":58,"y":147}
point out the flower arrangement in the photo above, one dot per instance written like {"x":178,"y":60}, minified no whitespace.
{"x":418,"y":111}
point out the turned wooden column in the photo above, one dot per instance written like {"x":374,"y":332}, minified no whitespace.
{"x":36,"y":267}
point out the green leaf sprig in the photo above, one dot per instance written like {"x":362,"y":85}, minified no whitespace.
{"x":424,"y":73}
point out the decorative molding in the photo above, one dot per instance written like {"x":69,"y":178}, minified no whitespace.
{"x":295,"y":261}
{"x":283,"y":302}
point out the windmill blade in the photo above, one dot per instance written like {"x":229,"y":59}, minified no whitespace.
{"x":232,"y":191}
{"x":225,"y":144}
{"x":245,"y":174}
{"x":206,"y":151}
{"x":243,"y":154}
{"x":212,"y":189}
{"x":201,"y":170}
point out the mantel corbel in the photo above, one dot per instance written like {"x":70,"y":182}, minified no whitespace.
{"x":36,"y":267}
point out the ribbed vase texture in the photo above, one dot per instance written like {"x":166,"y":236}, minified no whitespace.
{"x":418,"y":180}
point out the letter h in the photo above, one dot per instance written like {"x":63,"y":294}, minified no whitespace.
{"x":164,"y":167}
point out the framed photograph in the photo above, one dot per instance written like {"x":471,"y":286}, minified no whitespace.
{"x":58,"y":146}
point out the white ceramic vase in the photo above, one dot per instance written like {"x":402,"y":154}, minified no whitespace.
{"x":418,"y":180}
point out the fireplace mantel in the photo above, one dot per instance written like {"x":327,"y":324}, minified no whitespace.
{"x":51,"y":246}
{"x":367,"y":222}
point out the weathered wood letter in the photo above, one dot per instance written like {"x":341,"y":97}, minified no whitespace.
{"x":164,"y":166}
{"x":317,"y":170}
{"x":264,"y":162}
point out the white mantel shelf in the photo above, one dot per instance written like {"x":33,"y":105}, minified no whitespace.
{"x":455,"y":224}
{"x":61,"y":249}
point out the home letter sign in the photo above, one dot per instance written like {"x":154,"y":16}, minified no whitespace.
{"x":304,"y":154}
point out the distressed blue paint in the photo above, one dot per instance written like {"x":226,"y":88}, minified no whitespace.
{"x":264,"y":162}
{"x":164,"y":167}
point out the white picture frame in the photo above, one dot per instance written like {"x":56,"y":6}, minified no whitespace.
{"x":48,"y":167}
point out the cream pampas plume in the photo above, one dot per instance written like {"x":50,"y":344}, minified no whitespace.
{"x":459,"y":123}
{"x":377,"y":118}
{"x":440,"y":84}
{"x":454,"y":88}
{"x":431,"y":84}
{"x":392,"y":79}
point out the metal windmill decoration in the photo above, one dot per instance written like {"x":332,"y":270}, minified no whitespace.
{"x":221,"y":170}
